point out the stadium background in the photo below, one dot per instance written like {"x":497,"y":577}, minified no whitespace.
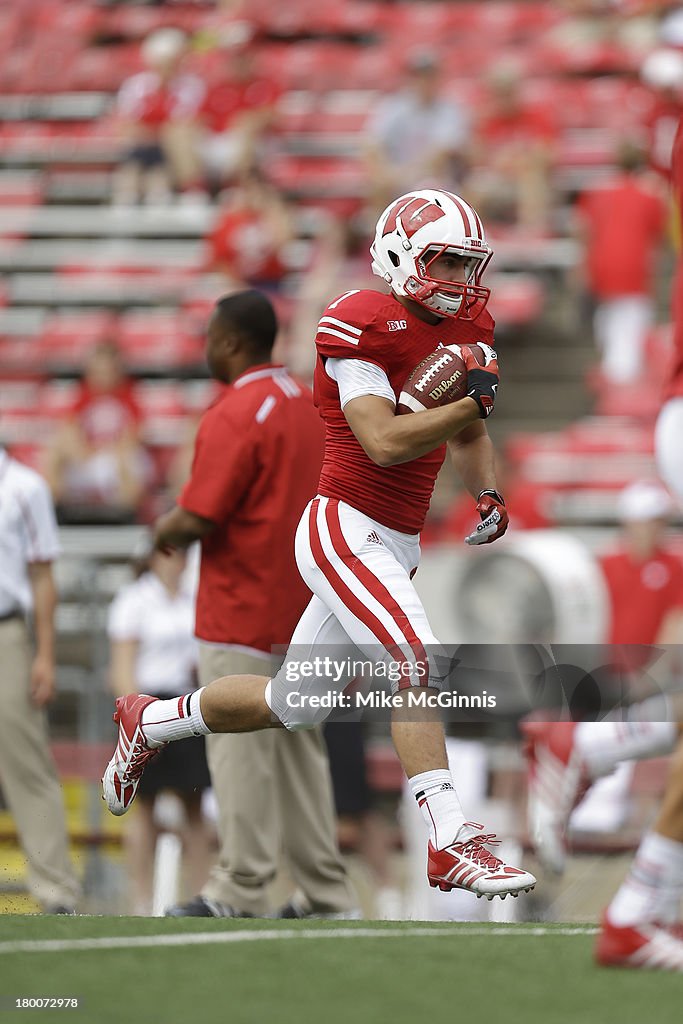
{"x":76,"y":269}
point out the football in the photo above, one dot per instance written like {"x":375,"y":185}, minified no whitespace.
{"x":439,"y":379}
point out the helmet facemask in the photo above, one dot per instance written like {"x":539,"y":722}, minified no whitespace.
{"x":460,"y":299}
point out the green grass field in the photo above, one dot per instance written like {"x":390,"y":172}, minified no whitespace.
{"x":279,"y":972}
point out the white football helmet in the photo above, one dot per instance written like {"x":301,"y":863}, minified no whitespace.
{"x":417,"y":228}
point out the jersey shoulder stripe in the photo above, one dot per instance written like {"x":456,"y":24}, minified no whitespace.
{"x":341,"y":323}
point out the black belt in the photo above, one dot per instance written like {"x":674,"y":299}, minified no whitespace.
{"x":16,"y":614}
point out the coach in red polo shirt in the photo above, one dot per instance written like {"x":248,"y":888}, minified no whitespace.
{"x":256,"y":464}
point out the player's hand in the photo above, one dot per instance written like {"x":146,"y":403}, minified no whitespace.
{"x":494,"y":519}
{"x":42,"y":681}
{"x":482,"y":377}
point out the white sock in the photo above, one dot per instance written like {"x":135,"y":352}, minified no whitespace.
{"x":173,"y":719}
{"x":653,"y":887}
{"x":603,"y":745}
{"x":440,"y":806}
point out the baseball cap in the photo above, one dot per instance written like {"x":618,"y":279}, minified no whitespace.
{"x":643,"y":500}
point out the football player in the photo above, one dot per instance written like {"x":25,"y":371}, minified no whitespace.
{"x":357,"y":545}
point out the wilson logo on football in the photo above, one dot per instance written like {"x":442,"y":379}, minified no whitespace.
{"x":444,"y":386}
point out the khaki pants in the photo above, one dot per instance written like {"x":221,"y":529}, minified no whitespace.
{"x":29,"y":776}
{"x":273,"y":789}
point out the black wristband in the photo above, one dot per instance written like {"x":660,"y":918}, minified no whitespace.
{"x":496,"y":495}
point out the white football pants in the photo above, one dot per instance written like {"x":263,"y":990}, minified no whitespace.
{"x":364,"y":603}
{"x":669,"y":445}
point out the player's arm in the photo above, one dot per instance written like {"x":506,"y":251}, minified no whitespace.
{"x":179,"y":528}
{"x":389,"y":439}
{"x":473,"y":457}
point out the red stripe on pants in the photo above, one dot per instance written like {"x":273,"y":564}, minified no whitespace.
{"x":353,"y":603}
{"x":374,"y":585}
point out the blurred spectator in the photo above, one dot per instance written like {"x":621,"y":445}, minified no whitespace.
{"x":96,"y":466}
{"x":339,"y":262}
{"x":644,"y":577}
{"x":416,"y":136}
{"x":248,"y":239}
{"x":622,"y":225}
{"x":662,"y":72}
{"x":158,"y":110}
{"x":30,"y":784}
{"x":153,"y":650}
{"x":514,"y":152}
{"x":237,"y":112}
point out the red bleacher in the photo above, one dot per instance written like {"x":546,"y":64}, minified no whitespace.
{"x":331,"y":61}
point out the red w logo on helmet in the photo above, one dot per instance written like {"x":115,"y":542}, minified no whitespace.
{"x":414,"y":214}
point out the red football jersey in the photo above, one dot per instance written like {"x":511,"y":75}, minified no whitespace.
{"x":375,"y":327}
{"x":675,"y":389}
{"x":256,"y":465}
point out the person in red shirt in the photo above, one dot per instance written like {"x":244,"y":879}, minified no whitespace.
{"x":96,"y":464}
{"x":256,"y":462}
{"x":247,"y":242}
{"x":640,"y":928}
{"x":622,"y":225}
{"x":513,"y":154}
{"x":157,"y":110}
{"x":669,"y":429}
{"x":644,"y":578}
{"x":357,"y":544}
{"x":237,"y":115}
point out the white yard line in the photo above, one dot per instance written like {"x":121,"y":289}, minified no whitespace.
{"x":268,"y":935}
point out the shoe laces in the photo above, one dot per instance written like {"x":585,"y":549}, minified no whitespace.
{"x":141,"y":755}
{"x":475,"y":849}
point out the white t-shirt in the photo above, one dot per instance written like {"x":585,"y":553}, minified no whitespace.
{"x":404,"y":127}
{"x":357,"y":377}
{"x":28,"y":531}
{"x":163,"y":626}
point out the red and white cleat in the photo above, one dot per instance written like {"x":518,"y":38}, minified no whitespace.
{"x":122,"y":774}
{"x":648,"y":946}
{"x":468,"y":864}
{"x":558,"y":780}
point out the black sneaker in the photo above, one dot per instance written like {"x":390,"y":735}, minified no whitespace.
{"x":200,"y":906}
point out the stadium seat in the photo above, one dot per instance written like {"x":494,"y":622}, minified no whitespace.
{"x":67,"y":337}
{"x":157,"y":340}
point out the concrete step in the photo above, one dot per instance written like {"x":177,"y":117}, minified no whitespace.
{"x":543,"y":399}
{"x":554,"y":362}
